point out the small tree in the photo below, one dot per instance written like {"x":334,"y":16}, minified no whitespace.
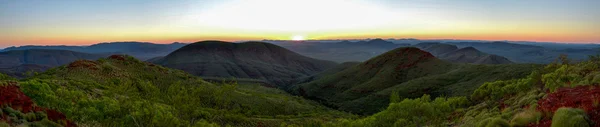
{"x":570,"y":117}
{"x":394,"y":97}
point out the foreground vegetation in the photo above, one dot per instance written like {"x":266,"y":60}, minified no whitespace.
{"x":122,"y":91}
{"x":560,"y":95}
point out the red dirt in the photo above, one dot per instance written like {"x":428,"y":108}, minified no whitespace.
{"x":84,"y":64}
{"x":583,"y":97}
{"x":117,"y":57}
{"x":11,"y":95}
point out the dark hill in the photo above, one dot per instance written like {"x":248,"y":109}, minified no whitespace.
{"x":254,"y":60}
{"x":365,"y":88}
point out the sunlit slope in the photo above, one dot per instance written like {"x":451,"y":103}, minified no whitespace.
{"x":123,"y":91}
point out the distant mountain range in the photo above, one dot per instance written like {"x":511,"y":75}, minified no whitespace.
{"x":364,"y":88}
{"x":140,"y":50}
{"x":517,"y":52}
{"x":17,"y":62}
{"x":523,"y":53}
{"x":252,"y":60}
{"x":464,"y":55}
{"x":341,"y":51}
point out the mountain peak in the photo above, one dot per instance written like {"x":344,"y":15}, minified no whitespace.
{"x":378,"y":41}
{"x":470,"y":51}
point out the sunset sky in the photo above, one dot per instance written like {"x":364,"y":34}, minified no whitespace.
{"x":83,"y":22}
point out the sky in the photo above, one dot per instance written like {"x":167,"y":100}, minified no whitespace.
{"x":84,"y":22}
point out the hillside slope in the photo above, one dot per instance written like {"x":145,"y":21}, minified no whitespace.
{"x":252,"y":60}
{"x":365,"y":88}
{"x":123,"y":91}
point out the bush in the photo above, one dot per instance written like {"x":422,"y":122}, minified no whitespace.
{"x":525,"y":118}
{"x":493,"y":122}
{"x":45,"y":123}
{"x":3,"y":124}
{"x":30,"y":116}
{"x":570,"y":117}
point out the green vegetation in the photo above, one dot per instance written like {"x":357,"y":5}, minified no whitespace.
{"x":503,"y":103}
{"x":525,"y":118}
{"x":5,"y":77}
{"x":569,"y":117}
{"x":123,"y":91}
{"x":36,"y":119}
{"x":412,"y":112}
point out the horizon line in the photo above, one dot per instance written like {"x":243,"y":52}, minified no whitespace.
{"x":237,"y":41}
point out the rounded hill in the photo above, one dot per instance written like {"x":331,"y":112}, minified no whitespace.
{"x":253,"y":60}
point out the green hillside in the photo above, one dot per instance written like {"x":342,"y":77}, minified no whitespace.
{"x":365,"y":88}
{"x":250,"y":60}
{"x":123,"y":91}
{"x":559,"y":95}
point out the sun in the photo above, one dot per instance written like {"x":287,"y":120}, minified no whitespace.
{"x":298,"y":38}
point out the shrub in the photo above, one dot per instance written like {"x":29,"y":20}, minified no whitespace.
{"x":45,"y":123}
{"x":493,"y":122}
{"x":570,"y":117}
{"x":525,"y":118}
{"x":3,"y":124}
{"x":30,"y":116}
{"x":204,"y":123}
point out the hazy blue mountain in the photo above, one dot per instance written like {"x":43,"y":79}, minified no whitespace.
{"x":140,"y":50}
{"x":524,"y":53}
{"x":343,"y":50}
{"x":17,"y":62}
